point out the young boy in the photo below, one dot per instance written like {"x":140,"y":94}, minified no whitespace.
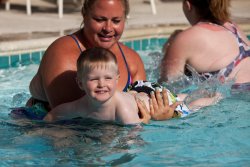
{"x":97,"y":76}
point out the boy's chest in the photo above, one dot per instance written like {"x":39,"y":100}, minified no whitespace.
{"x":107,"y":115}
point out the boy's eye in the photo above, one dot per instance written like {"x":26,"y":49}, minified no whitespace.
{"x":93,"y":79}
{"x":116,"y":21}
{"x":109,"y":78}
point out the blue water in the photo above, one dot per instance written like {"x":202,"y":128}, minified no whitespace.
{"x":214,"y":136}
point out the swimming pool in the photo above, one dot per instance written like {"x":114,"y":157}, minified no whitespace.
{"x":214,"y":136}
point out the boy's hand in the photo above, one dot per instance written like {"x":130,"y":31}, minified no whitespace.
{"x":143,"y":112}
{"x":159,"y":106}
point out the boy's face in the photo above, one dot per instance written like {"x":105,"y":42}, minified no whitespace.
{"x":100,"y":83}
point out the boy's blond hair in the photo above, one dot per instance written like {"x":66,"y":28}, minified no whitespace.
{"x":96,"y":57}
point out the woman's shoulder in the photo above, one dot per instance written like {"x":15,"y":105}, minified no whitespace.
{"x":192,"y":32}
{"x":181,"y":38}
{"x":62,"y":42}
{"x":63,"y":45}
{"x":192,"y":35}
{"x":60,"y":50}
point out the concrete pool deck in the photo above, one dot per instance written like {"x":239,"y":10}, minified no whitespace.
{"x":19,"y":31}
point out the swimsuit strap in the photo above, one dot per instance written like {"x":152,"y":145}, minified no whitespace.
{"x":242,"y":52}
{"x":225,"y":72}
{"x":129,"y":81}
{"x":73,"y":36}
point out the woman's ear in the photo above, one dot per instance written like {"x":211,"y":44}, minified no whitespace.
{"x":190,"y":12}
{"x":188,"y":5}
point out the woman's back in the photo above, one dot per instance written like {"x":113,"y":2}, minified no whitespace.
{"x":221,"y":51}
{"x":212,"y":45}
{"x":208,"y":48}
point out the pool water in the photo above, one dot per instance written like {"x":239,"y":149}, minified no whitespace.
{"x":214,"y":136}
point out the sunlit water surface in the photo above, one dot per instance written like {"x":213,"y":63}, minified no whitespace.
{"x":214,"y":136}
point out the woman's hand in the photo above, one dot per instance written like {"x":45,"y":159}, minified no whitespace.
{"x":143,"y":112}
{"x":159,"y":106}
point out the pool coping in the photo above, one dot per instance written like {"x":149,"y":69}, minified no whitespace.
{"x":21,"y":46}
{"x":137,"y":33}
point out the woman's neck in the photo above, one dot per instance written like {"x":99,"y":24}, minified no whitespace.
{"x":86,"y":43}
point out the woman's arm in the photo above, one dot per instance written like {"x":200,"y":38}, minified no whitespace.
{"x":62,"y":112}
{"x":159,"y":106}
{"x":176,"y":53}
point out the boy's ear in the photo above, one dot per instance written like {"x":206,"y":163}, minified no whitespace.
{"x":79,"y":83}
{"x":117,"y":77}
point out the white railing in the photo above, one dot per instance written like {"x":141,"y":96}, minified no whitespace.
{"x":28,"y":7}
{"x":60,"y":7}
{"x":152,"y":2}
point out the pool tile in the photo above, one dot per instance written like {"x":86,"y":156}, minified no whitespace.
{"x":35,"y":57}
{"x":145,"y":43}
{"x":14,"y":60}
{"x":42,"y":53}
{"x":4,"y":62}
{"x":25,"y":59}
{"x":137,"y":45}
{"x":154,"y":42}
{"x":162,"y":41}
{"x":128,"y":44}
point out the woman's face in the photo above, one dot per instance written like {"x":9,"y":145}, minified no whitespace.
{"x":104,"y":23}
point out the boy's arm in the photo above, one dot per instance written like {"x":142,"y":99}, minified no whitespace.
{"x":127,"y":110}
{"x":62,"y":112}
{"x":205,"y":101}
{"x":127,"y":116}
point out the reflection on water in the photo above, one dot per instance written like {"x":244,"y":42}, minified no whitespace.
{"x":79,"y":141}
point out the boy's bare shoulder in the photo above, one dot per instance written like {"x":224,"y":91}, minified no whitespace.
{"x":126,"y":109}
{"x":126,"y":100}
{"x":124,"y":96}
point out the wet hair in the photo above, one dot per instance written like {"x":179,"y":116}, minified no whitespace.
{"x":87,"y":6}
{"x":96,"y":57}
{"x":216,"y":11}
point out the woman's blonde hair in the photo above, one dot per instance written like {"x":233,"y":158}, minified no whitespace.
{"x":87,"y":6}
{"x":95,"y":57}
{"x":216,"y":11}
